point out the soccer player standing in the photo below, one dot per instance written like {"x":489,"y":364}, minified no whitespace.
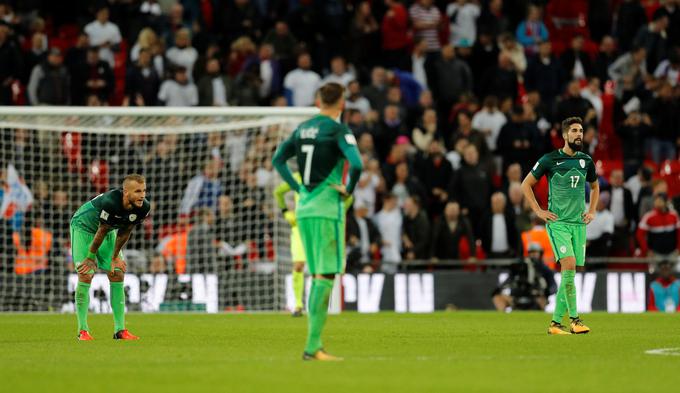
{"x":99,"y":230}
{"x":321,"y":146}
{"x":567,"y":170}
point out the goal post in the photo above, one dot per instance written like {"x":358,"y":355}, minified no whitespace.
{"x":215,"y":240}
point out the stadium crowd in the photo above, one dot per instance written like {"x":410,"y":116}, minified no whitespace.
{"x":452,"y":102}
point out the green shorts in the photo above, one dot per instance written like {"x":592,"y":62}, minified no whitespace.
{"x":324,"y":242}
{"x":80,"y":246}
{"x":568,"y":240}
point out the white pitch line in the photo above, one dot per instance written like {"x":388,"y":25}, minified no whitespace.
{"x":664,"y":351}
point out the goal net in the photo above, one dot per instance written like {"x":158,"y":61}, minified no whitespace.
{"x":214,"y":241}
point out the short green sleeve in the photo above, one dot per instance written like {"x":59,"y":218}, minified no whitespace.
{"x":541,"y":167}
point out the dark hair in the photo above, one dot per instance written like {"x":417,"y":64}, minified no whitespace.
{"x":569,"y":121}
{"x":331,"y":93}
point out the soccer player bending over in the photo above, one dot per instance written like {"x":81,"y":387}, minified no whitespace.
{"x":99,"y":230}
{"x":321,"y":147}
{"x":567,"y":170}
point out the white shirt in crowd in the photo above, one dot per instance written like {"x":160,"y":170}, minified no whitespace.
{"x":99,"y":34}
{"x":601,"y":224}
{"x":266,"y":75}
{"x":418,"y":66}
{"x":594,"y":100}
{"x":303,"y":84}
{"x":464,"y":25}
{"x":665,"y":71}
{"x":219,"y":92}
{"x":174,"y":94}
{"x":389,"y":224}
{"x":617,"y":206}
{"x":499,"y":234}
{"x":486,"y":119}
{"x":343,"y":79}
{"x":367,"y":193}
{"x":361,"y":104}
{"x":185,"y":57}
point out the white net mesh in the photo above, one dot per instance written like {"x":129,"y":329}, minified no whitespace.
{"x":214,"y":240}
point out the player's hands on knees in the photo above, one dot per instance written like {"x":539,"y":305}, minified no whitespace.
{"x":87,"y":265}
{"x":118,"y":263}
{"x":588,"y":217}
{"x":547,"y":215}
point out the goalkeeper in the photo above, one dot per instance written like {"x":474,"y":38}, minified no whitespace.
{"x":297,"y":253}
{"x":99,"y":230}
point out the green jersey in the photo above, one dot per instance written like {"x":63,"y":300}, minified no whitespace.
{"x":567,"y":177}
{"x":321,"y":146}
{"x":107,"y":208}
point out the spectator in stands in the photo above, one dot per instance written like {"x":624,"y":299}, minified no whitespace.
{"x":492,"y":19}
{"x":10,"y":66}
{"x":183,"y":54}
{"x":508,"y":44}
{"x":35,"y":55}
{"x":33,"y":245}
{"x":463,"y":16}
{"x":499,"y":235}
{"x":363,"y":239}
{"x":623,"y":210}
{"x":284,"y":43}
{"x":668,"y":70}
{"x":654,"y":39}
{"x":50,"y":83}
{"x":104,"y":35}
{"x":339,"y":72}
{"x":575,"y":61}
{"x":545,"y":74}
{"x":229,"y":231}
{"x":404,"y":185}
{"x":202,"y":244}
{"x":57,"y":214}
{"x":519,"y":141}
{"x":389,"y":130}
{"x":593,"y":93}
{"x":631,"y":67}
{"x":501,"y":79}
{"x":142,"y":82}
{"x":214,"y":87}
{"x":269,"y":73}
{"x":435,"y":173}
{"x":489,"y":121}
{"x":630,"y":17}
{"x":448,"y":231}
{"x":301,"y":84}
{"x":415,"y":231}
{"x":426,"y":20}
{"x":426,"y":131}
{"x":238,"y":18}
{"x":204,"y":189}
{"x":369,"y":182}
{"x":538,"y":234}
{"x":364,"y":33}
{"x":418,"y":62}
{"x":93,"y":77}
{"x":664,"y":291}
{"x":376,"y":92}
{"x":471,"y":186}
{"x":572,"y":104}
{"x":164,"y":169}
{"x":663,"y":111}
{"x":532,"y":30}
{"x":600,"y":231}
{"x":519,"y":207}
{"x":179,"y":91}
{"x":605,"y":57}
{"x":635,"y":130}
{"x":146,"y":39}
{"x":474,"y":136}
{"x":389,"y":222}
{"x":395,"y":35}
{"x":483,"y":57}
{"x":452,"y":79}
{"x":355,"y":100}
{"x":658,"y":231}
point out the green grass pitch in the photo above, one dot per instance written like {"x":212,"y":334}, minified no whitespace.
{"x":386,"y":352}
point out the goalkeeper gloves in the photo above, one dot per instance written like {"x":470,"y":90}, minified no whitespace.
{"x":289,"y":216}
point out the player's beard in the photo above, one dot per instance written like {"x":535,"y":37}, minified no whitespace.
{"x":575,"y":146}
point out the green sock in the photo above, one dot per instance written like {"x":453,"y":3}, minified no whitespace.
{"x":318,"y":311}
{"x":298,"y":287}
{"x":570,"y":292}
{"x":118,"y":305}
{"x":82,"y":304}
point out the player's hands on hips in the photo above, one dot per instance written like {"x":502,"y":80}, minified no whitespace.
{"x":118,"y":263}
{"x":546,"y":215}
{"x":87,"y":265}
{"x":290,"y":217}
{"x":588,"y":217}
{"x":341,"y":189}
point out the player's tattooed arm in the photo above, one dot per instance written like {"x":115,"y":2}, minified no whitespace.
{"x":89,"y":263}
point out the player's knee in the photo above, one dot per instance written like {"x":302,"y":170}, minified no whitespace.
{"x":299,"y":266}
{"x":85,"y":278}
{"x":116,"y":276}
{"x":568,"y":263}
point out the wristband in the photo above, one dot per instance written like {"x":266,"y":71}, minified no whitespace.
{"x":90,"y":255}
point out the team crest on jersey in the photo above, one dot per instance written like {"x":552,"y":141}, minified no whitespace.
{"x":582,"y":162}
{"x":133,"y":217}
{"x":104,"y":215}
